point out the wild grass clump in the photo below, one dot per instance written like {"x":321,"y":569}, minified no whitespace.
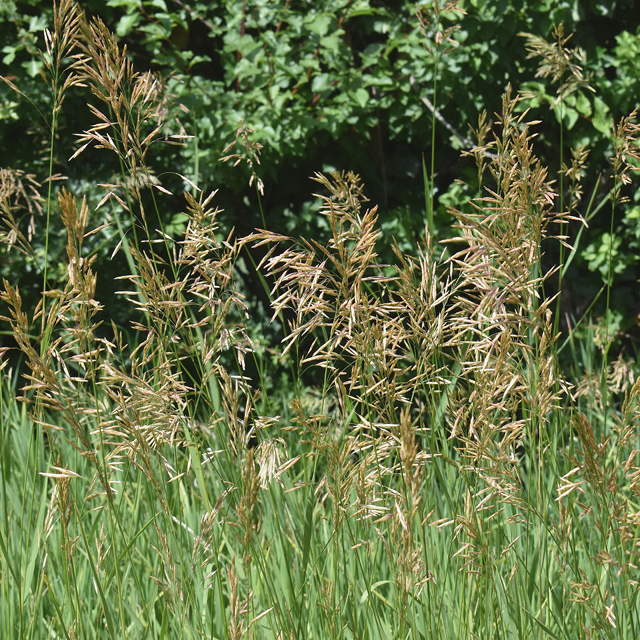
{"x":432,"y":473}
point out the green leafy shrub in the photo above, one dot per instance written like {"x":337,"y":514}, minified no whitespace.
{"x":329,"y":85}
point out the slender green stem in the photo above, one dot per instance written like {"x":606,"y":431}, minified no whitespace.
{"x":431,"y":185}
{"x":563,"y":224}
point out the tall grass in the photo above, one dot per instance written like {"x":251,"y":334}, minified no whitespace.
{"x":444,"y":478}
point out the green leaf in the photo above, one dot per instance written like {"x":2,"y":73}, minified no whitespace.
{"x":306,"y":543}
{"x":244,"y":44}
{"x":32,"y":67}
{"x":320,"y":83}
{"x":583,"y":105}
{"x":569,"y":115}
{"x":361,"y":96}
{"x":131,"y":5}
{"x":37,"y":23}
{"x":601,"y":119}
{"x":320,"y":25}
{"x":33,"y":556}
{"x":372,"y":53}
{"x":126,"y":24}
{"x":332,"y":43}
{"x":3,"y":550}
{"x":167,"y":21}
{"x":11,"y":54}
{"x":96,"y":579}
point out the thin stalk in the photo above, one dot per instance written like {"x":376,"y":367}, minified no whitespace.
{"x":562,"y":224}
{"x":431,"y":185}
{"x":196,"y":152}
{"x":609,"y":341}
{"x":44,"y":343}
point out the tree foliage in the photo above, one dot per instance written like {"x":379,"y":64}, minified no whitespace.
{"x":342,"y":84}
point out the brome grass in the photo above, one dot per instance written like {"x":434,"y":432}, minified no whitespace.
{"x":432,"y":473}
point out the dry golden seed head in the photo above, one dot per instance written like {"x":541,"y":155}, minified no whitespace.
{"x":138,"y":102}
{"x":251,"y":153}
{"x":238,"y":609}
{"x":17,"y":187}
{"x":50,"y":519}
{"x":60,"y":45}
{"x":65,"y":502}
{"x":627,"y":154}
{"x":621,"y":375}
{"x":203,"y":542}
{"x":329,"y":605}
{"x":101,"y":552}
{"x":430,"y":22}
{"x":247,"y":506}
{"x":269,"y":455}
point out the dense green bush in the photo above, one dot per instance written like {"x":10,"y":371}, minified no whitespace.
{"x":338,"y":85}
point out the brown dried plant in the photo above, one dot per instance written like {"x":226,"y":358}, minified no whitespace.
{"x":17,"y":193}
{"x":238,"y":609}
{"x":60,"y":45}
{"x":376,"y":333}
{"x":210,"y":283}
{"x":133,"y":118}
{"x":247,"y":507}
{"x":367,"y":328}
{"x":500,"y":306}
{"x":509,"y":384}
{"x":575,"y":173}
{"x":70,"y":323}
{"x":170,"y":582}
{"x":133,"y":99}
{"x":128,"y":411}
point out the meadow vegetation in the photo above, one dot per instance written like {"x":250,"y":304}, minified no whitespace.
{"x":425,"y":454}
